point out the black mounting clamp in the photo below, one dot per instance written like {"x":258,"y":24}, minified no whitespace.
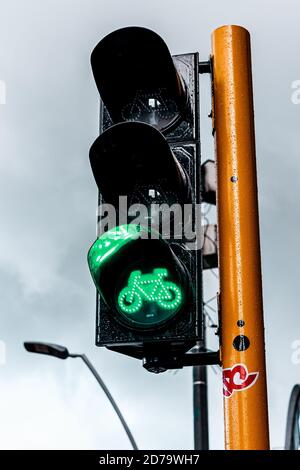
{"x":163,"y":363}
{"x":205,"y":66}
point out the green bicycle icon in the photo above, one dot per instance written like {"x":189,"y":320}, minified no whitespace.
{"x":150,"y":287}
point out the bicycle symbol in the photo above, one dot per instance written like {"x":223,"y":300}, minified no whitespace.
{"x":150,"y":287}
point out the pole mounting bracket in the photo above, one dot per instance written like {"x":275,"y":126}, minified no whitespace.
{"x":157,"y":364}
{"x":205,"y":66}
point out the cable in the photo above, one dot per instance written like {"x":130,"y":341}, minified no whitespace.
{"x":211,"y":308}
{"x":210,"y":300}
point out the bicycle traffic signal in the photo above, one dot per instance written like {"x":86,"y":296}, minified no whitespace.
{"x":141,"y":280}
{"x":145,"y":262}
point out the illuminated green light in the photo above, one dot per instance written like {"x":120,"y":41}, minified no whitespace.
{"x":109,"y":243}
{"x":149,"y":288}
{"x":146,"y":297}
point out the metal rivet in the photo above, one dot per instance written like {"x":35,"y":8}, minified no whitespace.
{"x":240,"y":323}
{"x":234,"y":179}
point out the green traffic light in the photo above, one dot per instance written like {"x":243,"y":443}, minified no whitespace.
{"x":138,"y":278}
{"x":109,"y":243}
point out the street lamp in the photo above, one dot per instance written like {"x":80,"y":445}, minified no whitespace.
{"x":62,"y":352}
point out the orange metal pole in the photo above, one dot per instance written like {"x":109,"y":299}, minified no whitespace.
{"x":241,"y":311}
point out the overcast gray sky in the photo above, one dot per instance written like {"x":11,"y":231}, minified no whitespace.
{"x":48,"y":202}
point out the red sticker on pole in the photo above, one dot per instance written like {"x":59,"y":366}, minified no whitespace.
{"x":237,"y":378}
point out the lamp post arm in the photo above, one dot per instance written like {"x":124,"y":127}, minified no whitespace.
{"x":109,"y":396}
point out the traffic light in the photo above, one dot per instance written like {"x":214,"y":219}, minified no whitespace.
{"x":137,"y":79}
{"x":140,"y":279}
{"x":146,"y":265}
{"x":132,"y":159}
